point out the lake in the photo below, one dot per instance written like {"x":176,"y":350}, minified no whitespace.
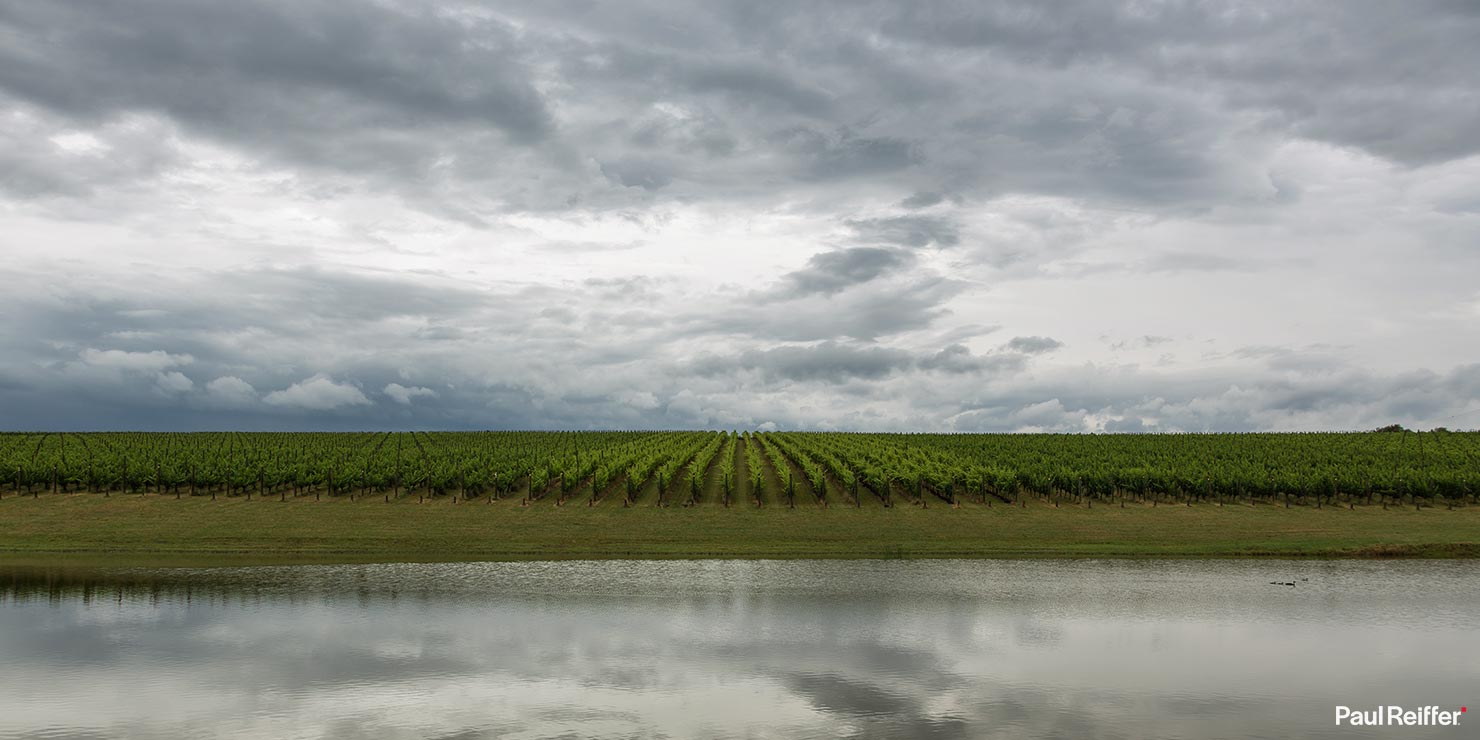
{"x":738,"y":649}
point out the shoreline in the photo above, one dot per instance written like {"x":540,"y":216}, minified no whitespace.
{"x":153,"y":530}
{"x":97,"y":559}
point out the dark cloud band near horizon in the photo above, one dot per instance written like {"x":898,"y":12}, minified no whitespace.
{"x":1005,"y":216}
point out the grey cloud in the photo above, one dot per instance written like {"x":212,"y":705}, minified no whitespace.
{"x":703,"y":133}
{"x":1144,"y":341}
{"x":259,"y":325}
{"x":836,"y":363}
{"x":828,"y":362}
{"x":536,"y":183}
{"x":540,"y":375}
{"x":243,"y":330}
{"x":39,"y":157}
{"x":299,"y":65}
{"x":1357,"y":90}
{"x":830,"y":272}
{"x":559,"y":314}
{"x":861,"y":156}
{"x":1192,"y":262}
{"x":1160,"y":106}
{"x":627,"y":289}
{"x":341,"y":86}
{"x":1172,"y":262}
{"x":970,"y":392}
{"x":755,"y":83}
{"x":1349,"y":400}
{"x":642,"y":173}
{"x":832,"y":693}
{"x":361,"y":296}
{"x":1034,"y":345}
{"x":1304,"y":360}
{"x":439,"y":333}
{"x":908,"y":231}
{"x":958,"y":359}
{"x":876,"y":309}
{"x":737,"y":79}
{"x":1125,"y":425}
{"x":922,"y":199}
{"x":959,"y":334}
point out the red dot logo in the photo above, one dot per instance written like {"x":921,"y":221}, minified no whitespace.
{"x":1462,"y":710}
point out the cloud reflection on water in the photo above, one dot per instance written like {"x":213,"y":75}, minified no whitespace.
{"x":727,"y":649}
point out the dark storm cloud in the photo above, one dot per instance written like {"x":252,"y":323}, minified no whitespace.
{"x":1142,"y":101}
{"x":254,"y":344}
{"x":354,"y":87}
{"x":266,"y":66}
{"x":1343,"y":72}
{"x":103,"y":357}
{"x":272,"y":150}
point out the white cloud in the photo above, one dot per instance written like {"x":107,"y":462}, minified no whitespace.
{"x":404,"y":394}
{"x":318,"y":393}
{"x":144,"y":362}
{"x":174,"y":382}
{"x":231,"y":391}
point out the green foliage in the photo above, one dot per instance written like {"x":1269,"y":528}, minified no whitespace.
{"x":1438,"y":465}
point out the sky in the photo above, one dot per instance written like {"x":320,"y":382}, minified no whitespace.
{"x":874,"y":216}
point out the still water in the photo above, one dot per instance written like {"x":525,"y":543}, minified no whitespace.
{"x":737,"y":649}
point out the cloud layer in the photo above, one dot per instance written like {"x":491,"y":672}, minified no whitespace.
{"x":878,"y":215}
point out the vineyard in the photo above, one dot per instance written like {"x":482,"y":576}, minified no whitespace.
{"x":758,"y":470}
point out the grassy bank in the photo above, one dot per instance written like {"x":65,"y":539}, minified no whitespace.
{"x":162,"y":529}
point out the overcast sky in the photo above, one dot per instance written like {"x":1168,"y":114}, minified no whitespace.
{"x":306,"y":214}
